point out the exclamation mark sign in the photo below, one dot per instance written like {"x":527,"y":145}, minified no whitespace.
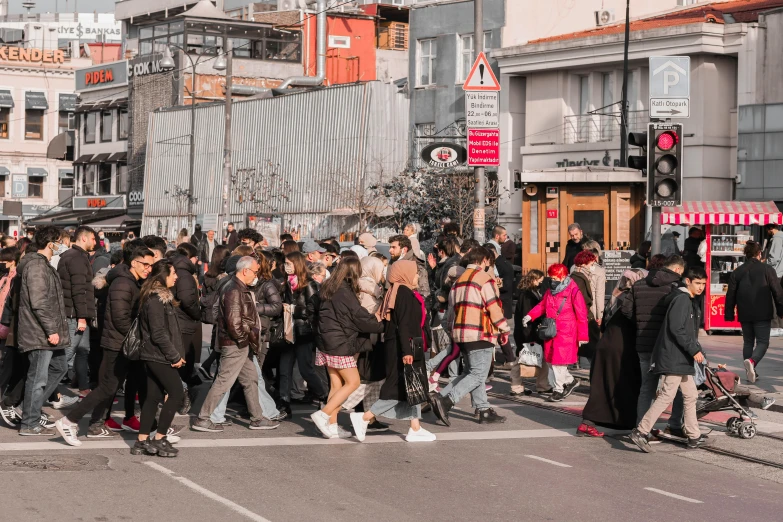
{"x":481,"y":72}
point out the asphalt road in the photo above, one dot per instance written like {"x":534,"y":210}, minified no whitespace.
{"x":531,"y":468}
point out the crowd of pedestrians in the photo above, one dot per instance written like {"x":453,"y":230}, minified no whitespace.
{"x":350,"y":328}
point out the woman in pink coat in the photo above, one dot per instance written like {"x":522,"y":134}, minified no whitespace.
{"x":571,"y":320}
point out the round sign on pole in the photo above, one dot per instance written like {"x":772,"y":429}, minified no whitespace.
{"x":443,"y":155}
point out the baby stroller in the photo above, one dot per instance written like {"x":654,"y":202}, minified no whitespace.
{"x":720,"y":396}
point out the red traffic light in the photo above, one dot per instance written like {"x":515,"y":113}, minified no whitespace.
{"x":667,"y":140}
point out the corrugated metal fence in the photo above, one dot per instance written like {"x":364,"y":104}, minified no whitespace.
{"x":297,"y":155}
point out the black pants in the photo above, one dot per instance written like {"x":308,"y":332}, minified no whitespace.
{"x":95,"y":356}
{"x":14,"y":391}
{"x":113,"y":371}
{"x":162,"y":379}
{"x":191,"y":343}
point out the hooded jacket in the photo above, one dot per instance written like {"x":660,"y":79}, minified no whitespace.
{"x":76,"y":276}
{"x":678,"y":339}
{"x":186,"y":292}
{"x":122,"y":305}
{"x":646,"y":306}
{"x":41,"y":310}
{"x":160,"y":328}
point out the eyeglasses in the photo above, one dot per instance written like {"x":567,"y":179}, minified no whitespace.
{"x":143,"y":264}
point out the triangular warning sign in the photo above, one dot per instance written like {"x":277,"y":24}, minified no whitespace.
{"x":481,"y":77}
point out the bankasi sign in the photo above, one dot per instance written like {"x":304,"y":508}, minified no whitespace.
{"x":20,"y":54}
{"x":443,"y":155}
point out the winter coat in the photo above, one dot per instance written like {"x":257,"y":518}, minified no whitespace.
{"x":646,"y":306}
{"x":100,"y":261}
{"x":526,"y":334}
{"x":571,"y":324}
{"x":690,"y":252}
{"x":571,"y":250}
{"x":101,"y":290}
{"x":638,"y":261}
{"x":440,"y":285}
{"x":186,"y":292}
{"x":774,"y":253}
{"x":407,"y":318}
{"x":340,"y":320}
{"x":477,"y":312}
{"x":749,"y":288}
{"x":233,"y":240}
{"x":160,"y":328}
{"x":302,"y":299}
{"x":370,"y":294}
{"x":506,"y":274}
{"x":76,"y":276}
{"x":598,"y":286}
{"x":678,"y":340}
{"x":211,"y":282}
{"x":237,"y":317}
{"x":41,"y":309}
{"x":122,"y":306}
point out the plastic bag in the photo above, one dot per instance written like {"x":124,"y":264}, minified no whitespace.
{"x":531,"y":354}
{"x":414,"y":385}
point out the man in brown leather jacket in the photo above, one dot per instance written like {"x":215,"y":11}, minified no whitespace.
{"x":238,"y":339}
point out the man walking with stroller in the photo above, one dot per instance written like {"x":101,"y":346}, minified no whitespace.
{"x":676,"y":349}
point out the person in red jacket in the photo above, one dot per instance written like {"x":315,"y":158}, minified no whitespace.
{"x":563,"y":302}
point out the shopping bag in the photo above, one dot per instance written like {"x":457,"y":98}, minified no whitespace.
{"x":414,"y":385}
{"x":528,"y":371}
{"x":531,"y":354}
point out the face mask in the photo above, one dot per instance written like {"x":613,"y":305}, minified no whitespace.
{"x":60,"y":250}
{"x":554,"y":284}
{"x":255,"y":282}
{"x":593,"y":268}
{"x":289,"y":269}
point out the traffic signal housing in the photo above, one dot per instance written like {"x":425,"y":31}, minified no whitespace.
{"x":664,"y":164}
{"x":638,"y":139}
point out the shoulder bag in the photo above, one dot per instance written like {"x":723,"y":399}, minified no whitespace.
{"x":548,"y":328}
{"x":131,"y":345}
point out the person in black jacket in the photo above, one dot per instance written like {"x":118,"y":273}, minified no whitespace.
{"x":753,"y":288}
{"x":215,"y":274}
{"x":162,"y":353}
{"x":231,"y":239}
{"x":574,"y":245}
{"x":188,"y":312}
{"x":341,"y":318}
{"x":300,"y":291}
{"x":690,"y":250}
{"x":639,"y":259}
{"x":646,"y":308}
{"x":76,"y":275}
{"x":122,"y":305}
{"x":676,"y":349}
{"x":530,"y":297}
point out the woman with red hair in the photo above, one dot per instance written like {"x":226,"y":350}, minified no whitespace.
{"x":564,"y":303}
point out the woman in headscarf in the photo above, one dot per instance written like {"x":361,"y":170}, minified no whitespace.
{"x":615,"y":377}
{"x":404,"y":311}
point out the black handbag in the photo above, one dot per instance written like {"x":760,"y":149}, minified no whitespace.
{"x":548,"y":328}
{"x":131,"y":345}
{"x":414,"y":385}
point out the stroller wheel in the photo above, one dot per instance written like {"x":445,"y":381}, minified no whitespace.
{"x":733,"y":425}
{"x":747,"y":430}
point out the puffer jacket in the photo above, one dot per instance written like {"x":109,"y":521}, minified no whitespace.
{"x":269,"y":305}
{"x":160,"y":328}
{"x":678,"y":339}
{"x":76,"y":276}
{"x":646,"y":306}
{"x":340,"y":320}
{"x":237,"y":316}
{"x":122,"y":304}
{"x":302,"y":299}
{"x":186,"y":292}
{"x":41,"y":309}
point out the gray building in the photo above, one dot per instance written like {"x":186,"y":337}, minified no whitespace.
{"x":441,"y":54}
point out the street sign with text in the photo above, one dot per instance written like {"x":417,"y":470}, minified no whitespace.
{"x":670,"y":86}
{"x":482,"y":110}
{"x":481,"y":77}
{"x":484,"y":147}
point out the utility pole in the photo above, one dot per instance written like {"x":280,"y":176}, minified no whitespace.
{"x":478,"y":172}
{"x":624,"y":102}
{"x":225,"y":213}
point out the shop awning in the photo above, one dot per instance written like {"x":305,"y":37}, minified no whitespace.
{"x":100,"y":158}
{"x":35,"y":101}
{"x":83,"y":159}
{"x":118,"y":102}
{"x":58,"y":147}
{"x":6,"y":99}
{"x":85,"y":107}
{"x":722,"y":213}
{"x":68,"y":102}
{"x":117,"y":157}
{"x":37,"y":171}
{"x":4,"y":171}
{"x":65,"y":173}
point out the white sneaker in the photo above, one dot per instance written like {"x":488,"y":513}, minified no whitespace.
{"x":64,"y":402}
{"x":419,"y":436}
{"x":750,"y":370}
{"x":359,"y":425}
{"x":776,"y":332}
{"x":68,"y":431}
{"x":338,"y":432}
{"x":321,"y":421}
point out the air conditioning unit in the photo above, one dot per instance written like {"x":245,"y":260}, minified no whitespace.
{"x":71,"y":121}
{"x":604,"y":17}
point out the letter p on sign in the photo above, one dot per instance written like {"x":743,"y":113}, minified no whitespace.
{"x":670,"y":79}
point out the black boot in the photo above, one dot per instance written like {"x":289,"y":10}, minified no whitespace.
{"x":162,"y":447}
{"x":441,"y":407}
{"x":184,"y":409}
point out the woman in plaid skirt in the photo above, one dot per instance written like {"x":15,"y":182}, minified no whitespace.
{"x":341,"y":319}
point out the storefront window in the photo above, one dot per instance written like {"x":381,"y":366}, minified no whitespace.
{"x":33,"y":124}
{"x":107,"y":119}
{"x":5,"y":119}
{"x":35,"y":186}
{"x":90,"y":121}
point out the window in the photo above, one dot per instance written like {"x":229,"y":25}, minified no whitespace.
{"x":423,"y":129}
{"x":428,"y":51}
{"x":607,"y":99}
{"x":242,"y":47}
{"x":104,"y":179}
{"x":35,"y":186}
{"x":467,"y":59}
{"x":107,"y":118}
{"x":157,"y":38}
{"x":204,"y":43}
{"x":124,"y":129}
{"x":88,"y":179}
{"x":90,"y":120}
{"x":633,"y":91}
{"x":66,"y":183}
{"x":5,"y":121}
{"x":62,"y":121}
{"x":122,"y":178}
{"x":584,"y":107}
{"x":33,"y":124}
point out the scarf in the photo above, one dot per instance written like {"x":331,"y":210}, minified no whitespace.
{"x":293,"y":281}
{"x":401,"y":273}
{"x":625,"y":283}
{"x":562,"y":286}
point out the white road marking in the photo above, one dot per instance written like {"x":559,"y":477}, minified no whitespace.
{"x":296,"y":440}
{"x":672,"y":495}
{"x":233,"y":506}
{"x":554,"y":463}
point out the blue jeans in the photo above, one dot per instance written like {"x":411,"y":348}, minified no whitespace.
{"x":475,"y":370}
{"x":47,"y":368}
{"x":78,"y":355}
{"x":647,"y":394}
{"x":267,"y":402}
{"x":755,"y":339}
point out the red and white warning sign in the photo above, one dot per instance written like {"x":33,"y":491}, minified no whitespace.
{"x":481,"y":77}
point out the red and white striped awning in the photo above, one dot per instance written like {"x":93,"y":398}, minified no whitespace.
{"x":722,"y":213}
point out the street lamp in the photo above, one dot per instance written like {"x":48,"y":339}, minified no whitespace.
{"x":225,"y":62}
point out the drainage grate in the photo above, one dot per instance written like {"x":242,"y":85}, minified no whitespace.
{"x":54,"y":463}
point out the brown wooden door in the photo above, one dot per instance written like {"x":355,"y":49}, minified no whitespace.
{"x":534,"y":223}
{"x":590,"y":208}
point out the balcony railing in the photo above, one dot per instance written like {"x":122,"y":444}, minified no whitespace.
{"x":594,"y":128}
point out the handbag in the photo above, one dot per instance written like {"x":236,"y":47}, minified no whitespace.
{"x":414,"y":385}
{"x":131,"y":345}
{"x":548,"y":328}
{"x":531,"y":354}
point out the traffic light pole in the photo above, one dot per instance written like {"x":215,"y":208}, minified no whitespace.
{"x":478,"y":172}
{"x":655,"y":230}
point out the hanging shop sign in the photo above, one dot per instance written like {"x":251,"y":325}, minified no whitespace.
{"x":20,"y":54}
{"x":145,"y":65}
{"x":443,"y":155}
{"x":97,"y":202}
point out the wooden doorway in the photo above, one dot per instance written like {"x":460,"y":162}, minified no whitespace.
{"x":590,"y":208}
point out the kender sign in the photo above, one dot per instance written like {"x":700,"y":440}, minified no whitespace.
{"x":20,"y":54}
